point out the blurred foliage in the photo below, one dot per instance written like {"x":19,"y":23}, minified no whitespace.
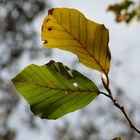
{"x":118,"y":138}
{"x":126,"y":11}
{"x":16,"y":29}
{"x":17,"y":39}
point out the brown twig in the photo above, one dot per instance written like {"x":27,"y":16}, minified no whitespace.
{"x":105,"y":81}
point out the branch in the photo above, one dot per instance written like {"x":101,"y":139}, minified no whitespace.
{"x":105,"y":81}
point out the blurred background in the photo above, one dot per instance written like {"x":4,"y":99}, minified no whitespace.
{"x":21,"y":45}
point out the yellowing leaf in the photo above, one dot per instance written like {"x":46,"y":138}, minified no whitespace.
{"x":70,"y":30}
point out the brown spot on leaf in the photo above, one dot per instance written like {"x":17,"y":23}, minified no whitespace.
{"x":66,"y":92}
{"x":45,"y":42}
{"x":41,"y":28}
{"x":50,"y":11}
{"x":49,"y":28}
{"x":47,"y":20}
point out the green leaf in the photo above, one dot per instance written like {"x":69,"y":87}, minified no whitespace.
{"x":70,"y":30}
{"x":53,"y":90}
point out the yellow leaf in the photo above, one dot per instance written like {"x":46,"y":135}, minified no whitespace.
{"x":70,"y":30}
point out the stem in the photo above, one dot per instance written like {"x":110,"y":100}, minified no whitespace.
{"x":105,"y":81}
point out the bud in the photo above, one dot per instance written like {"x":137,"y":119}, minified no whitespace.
{"x":105,"y":79}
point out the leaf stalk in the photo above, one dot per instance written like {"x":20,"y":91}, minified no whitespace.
{"x":105,"y":81}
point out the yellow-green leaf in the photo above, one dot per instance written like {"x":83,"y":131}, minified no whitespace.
{"x":70,"y":30}
{"x":53,"y":90}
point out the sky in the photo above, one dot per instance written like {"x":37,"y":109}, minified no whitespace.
{"x":124,"y":45}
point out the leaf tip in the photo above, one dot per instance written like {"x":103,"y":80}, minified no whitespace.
{"x":13,"y":80}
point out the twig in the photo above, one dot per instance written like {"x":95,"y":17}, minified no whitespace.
{"x":104,"y":94}
{"x":105,"y":81}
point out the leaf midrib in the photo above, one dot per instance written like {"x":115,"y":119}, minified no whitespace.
{"x":58,"y":88}
{"x":70,"y":33}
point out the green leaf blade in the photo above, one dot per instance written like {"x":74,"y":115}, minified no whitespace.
{"x":53,"y":90}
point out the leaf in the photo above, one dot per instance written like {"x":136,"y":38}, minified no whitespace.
{"x":53,"y":90}
{"x":69,"y":30}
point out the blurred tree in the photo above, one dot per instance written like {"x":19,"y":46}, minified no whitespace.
{"x":126,"y":10}
{"x":17,"y":39}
